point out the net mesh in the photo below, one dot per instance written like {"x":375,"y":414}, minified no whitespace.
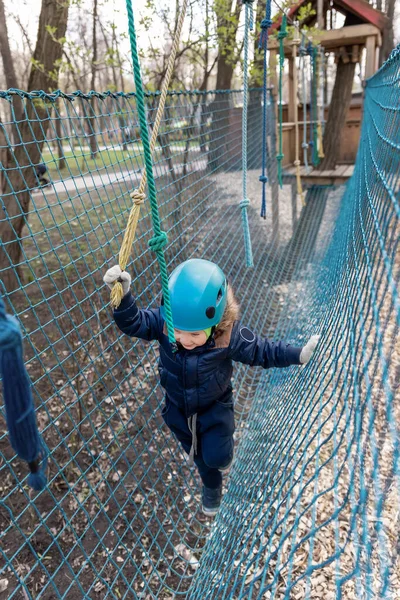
{"x":311,"y":503}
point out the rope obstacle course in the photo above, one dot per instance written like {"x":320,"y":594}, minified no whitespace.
{"x":317,"y":449}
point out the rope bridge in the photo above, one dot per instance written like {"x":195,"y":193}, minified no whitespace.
{"x":311,"y":503}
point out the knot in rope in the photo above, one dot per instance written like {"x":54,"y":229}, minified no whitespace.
{"x":297,"y":163}
{"x":304,"y":145}
{"x":158,"y":242}
{"x":244,"y":203}
{"x":280,"y":157}
{"x":263,"y":178}
{"x":282,"y":35}
{"x":138,"y":197}
{"x":266,"y":23}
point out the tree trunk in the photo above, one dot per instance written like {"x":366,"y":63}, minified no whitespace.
{"x":92,"y":122}
{"x":116,"y":53}
{"x":8,"y":68}
{"x":220,"y":109}
{"x":340,"y":103}
{"x":61,"y":155}
{"x":8,"y":64}
{"x":227,"y":17}
{"x":21,"y":176}
{"x":388,"y":34}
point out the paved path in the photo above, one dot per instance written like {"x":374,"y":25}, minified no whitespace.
{"x":104,"y":178}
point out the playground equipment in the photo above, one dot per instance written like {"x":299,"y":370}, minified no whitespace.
{"x":311,"y":497}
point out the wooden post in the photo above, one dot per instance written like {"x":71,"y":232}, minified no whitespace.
{"x":292,"y":67}
{"x":273,"y":136}
{"x":291,"y":108}
{"x":320,"y":14}
{"x":371,"y":57}
{"x":294,"y":206}
{"x":294,"y":101}
{"x":273,"y":78}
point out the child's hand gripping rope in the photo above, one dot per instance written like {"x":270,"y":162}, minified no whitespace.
{"x":115,"y":274}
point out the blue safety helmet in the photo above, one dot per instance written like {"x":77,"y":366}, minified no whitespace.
{"x":198,"y":292}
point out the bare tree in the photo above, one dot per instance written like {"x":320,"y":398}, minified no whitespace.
{"x":227,"y":13}
{"x":338,"y":109}
{"x":8,"y":63}
{"x":21,"y":176}
{"x":388,"y":34}
{"x":115,"y":62}
{"x":61,"y":155}
{"x":91,"y":122}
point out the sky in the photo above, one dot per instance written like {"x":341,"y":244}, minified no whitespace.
{"x":28,"y":13}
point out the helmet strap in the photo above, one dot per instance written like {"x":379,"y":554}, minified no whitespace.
{"x":210,"y":331}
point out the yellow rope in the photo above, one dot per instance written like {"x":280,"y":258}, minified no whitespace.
{"x":296,"y":42}
{"x":138,"y":196}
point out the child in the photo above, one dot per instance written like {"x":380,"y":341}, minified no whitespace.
{"x":197,"y":379}
{"x":41,"y":170}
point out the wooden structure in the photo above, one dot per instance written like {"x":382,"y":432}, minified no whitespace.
{"x":338,"y":40}
{"x":363,"y":31}
{"x":367,"y":25}
{"x":336,"y":176}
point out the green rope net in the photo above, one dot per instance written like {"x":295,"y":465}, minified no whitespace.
{"x":310,"y":502}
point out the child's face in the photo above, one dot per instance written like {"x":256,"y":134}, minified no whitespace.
{"x":190,"y":339}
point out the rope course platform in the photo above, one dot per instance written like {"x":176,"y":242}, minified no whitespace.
{"x":311,"y":176}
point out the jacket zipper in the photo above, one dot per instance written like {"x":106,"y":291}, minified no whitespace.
{"x":184,"y":382}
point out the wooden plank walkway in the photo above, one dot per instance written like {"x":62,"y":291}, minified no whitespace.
{"x":337,"y":176}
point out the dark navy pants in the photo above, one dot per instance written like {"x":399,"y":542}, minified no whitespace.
{"x":215,"y":428}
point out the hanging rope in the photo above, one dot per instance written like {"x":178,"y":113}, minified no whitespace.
{"x":296,"y":43}
{"x":245,"y":202}
{"x":266,"y":23}
{"x":281,"y":37}
{"x":158,"y":242}
{"x":320,"y":87}
{"x":303,"y":54}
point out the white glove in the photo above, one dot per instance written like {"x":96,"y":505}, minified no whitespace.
{"x":115,"y":274}
{"x":308,"y":349}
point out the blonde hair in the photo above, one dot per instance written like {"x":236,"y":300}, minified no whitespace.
{"x":231,"y":314}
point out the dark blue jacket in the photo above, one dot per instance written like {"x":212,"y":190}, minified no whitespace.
{"x":195,"y":379}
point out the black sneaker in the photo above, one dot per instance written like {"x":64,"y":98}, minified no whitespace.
{"x":211,"y":499}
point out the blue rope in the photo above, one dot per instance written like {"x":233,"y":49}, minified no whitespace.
{"x":245,"y":201}
{"x":266,"y":23}
{"x":17,"y":394}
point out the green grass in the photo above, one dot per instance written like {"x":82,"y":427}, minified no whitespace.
{"x":80,"y":162}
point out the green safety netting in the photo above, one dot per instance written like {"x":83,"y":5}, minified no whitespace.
{"x":311,"y":503}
